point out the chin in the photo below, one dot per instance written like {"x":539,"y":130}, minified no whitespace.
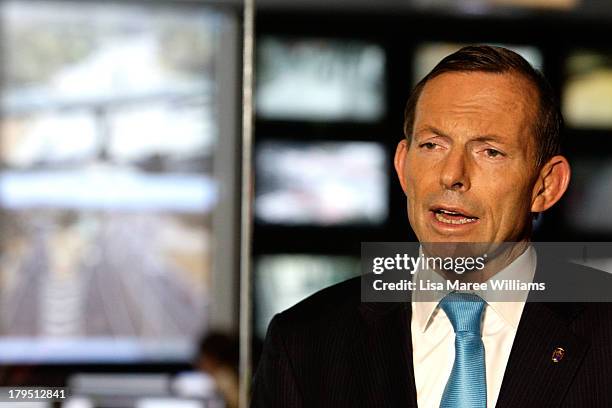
{"x":453,"y":236}
{"x":458,"y":239}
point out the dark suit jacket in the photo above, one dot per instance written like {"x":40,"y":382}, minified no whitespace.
{"x":332,"y":350}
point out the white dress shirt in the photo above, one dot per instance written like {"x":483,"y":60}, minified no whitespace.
{"x":433,"y":337}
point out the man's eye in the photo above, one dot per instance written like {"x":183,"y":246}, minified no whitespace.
{"x":428,"y":145}
{"x":493,"y":153}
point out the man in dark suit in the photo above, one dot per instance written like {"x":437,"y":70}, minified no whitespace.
{"x":480,"y":158}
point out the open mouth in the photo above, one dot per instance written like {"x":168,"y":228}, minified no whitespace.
{"x":453,"y":217}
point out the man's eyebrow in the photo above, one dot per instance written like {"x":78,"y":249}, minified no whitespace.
{"x":431,"y":129}
{"x":482,"y":138}
{"x":489,"y":138}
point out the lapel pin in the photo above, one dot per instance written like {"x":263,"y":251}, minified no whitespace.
{"x":558,"y":354}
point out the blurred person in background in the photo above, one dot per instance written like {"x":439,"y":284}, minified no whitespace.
{"x":218,"y":356}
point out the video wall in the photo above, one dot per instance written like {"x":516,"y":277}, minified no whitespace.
{"x":109,"y":135}
{"x":329,"y":115}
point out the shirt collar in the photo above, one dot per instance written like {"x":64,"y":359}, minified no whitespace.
{"x":522,"y":268}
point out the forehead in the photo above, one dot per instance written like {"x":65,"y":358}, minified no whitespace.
{"x":478,"y":102}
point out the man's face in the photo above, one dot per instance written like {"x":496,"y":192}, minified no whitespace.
{"x":469,"y":172}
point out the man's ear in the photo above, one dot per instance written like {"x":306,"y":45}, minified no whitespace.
{"x":401,"y":153}
{"x":551,"y":184}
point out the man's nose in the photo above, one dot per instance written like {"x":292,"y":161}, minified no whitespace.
{"x":454,"y":173}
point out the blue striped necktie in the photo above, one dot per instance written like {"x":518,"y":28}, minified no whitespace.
{"x":466,"y":386}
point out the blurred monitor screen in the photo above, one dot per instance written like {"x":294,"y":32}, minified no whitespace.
{"x":106,"y":187}
{"x":170,"y":403}
{"x":283,"y":280}
{"x":427,"y":56}
{"x":321,"y":183}
{"x":589,"y":198}
{"x":77,"y":402}
{"x":587,"y":93}
{"x":320,"y":80}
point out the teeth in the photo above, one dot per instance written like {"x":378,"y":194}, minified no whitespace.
{"x":445,"y":220}
{"x":449,"y":212}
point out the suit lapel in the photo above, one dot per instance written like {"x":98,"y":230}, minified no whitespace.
{"x":384,"y":352}
{"x":531,"y":377}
